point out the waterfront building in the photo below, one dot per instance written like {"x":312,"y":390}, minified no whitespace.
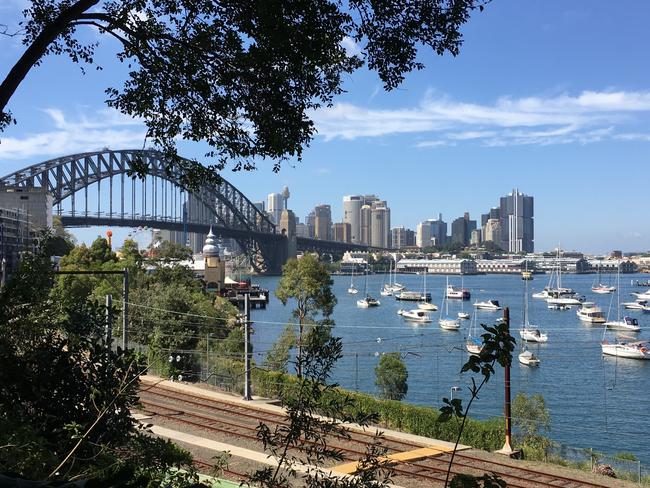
{"x":516,"y":214}
{"x":380,"y":225}
{"x":613,"y":265}
{"x":341,"y":232}
{"x":461,"y":229}
{"x":568,"y":264}
{"x":502,"y":266}
{"x":437,"y":266}
{"x":323,"y":222}
{"x":275,"y":206}
{"x":352,"y":215}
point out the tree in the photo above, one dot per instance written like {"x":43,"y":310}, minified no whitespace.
{"x":65,"y":396}
{"x":307,"y":281}
{"x":532,"y":418}
{"x":241,"y":76}
{"x":278,"y":357}
{"x":391,"y":377}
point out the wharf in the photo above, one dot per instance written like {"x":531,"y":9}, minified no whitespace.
{"x":258,"y":297}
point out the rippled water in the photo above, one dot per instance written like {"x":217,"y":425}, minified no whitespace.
{"x":595,"y":401}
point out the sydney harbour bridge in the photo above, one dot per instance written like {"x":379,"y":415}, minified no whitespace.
{"x":95,"y":189}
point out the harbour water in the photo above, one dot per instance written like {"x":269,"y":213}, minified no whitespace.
{"x":595,"y":401}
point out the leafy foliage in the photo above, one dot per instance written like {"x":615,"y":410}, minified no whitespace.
{"x":391,"y":377}
{"x":278,"y":356}
{"x":241,"y":76}
{"x":314,"y":417}
{"x":531,"y":417}
{"x":64,"y":394}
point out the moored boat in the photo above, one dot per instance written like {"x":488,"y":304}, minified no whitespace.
{"x":591,"y":313}
{"x":492,"y":305}
{"x":528,"y":358}
{"x":415,"y":315}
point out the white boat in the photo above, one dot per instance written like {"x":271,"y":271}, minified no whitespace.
{"x":601,"y":288}
{"x":474,"y":343}
{"x":463,"y":315}
{"x":426,"y":304}
{"x":386,"y":292}
{"x":368,"y":302}
{"x":638,"y":305}
{"x":554,"y":288}
{"x":415,"y":315}
{"x":558,"y":306}
{"x":352,"y":289}
{"x":565,"y":300}
{"x":529,"y":332}
{"x":492,"y":305}
{"x":412,"y":296}
{"x":642,"y":296}
{"x":631,"y":350}
{"x":447,"y":322}
{"x":626,"y":323}
{"x":392,"y":286}
{"x":458,"y":293}
{"x":528,"y":358}
{"x":591,"y":313}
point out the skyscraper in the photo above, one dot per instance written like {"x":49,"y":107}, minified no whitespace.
{"x":517,"y":222}
{"x":380,"y":227}
{"x":365,"y":221}
{"x":402,"y":237}
{"x":432,"y":232}
{"x":461,"y":229}
{"x":352,"y":215}
{"x":323,"y":222}
{"x":275,"y":206}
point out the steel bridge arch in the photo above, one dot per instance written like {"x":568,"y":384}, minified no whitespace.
{"x":64,"y":176}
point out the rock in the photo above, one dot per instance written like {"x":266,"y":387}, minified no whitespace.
{"x":604,"y":469}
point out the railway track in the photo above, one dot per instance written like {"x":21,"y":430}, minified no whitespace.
{"x":216,"y":416}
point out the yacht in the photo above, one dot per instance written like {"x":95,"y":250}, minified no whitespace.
{"x":488,"y":305}
{"x":386,"y":291}
{"x":565,"y":300}
{"x":368,"y":302}
{"x":429,"y":307}
{"x":474,"y":343}
{"x":626,"y":323}
{"x":447,"y":322}
{"x":528,"y":358}
{"x":558,"y":306}
{"x":642,"y":296}
{"x":415,"y":315}
{"x":638,"y":305}
{"x":463,"y":315}
{"x":603,"y":289}
{"x":413,"y":296}
{"x":458,"y":293}
{"x":632,"y":350}
{"x":591,"y":313}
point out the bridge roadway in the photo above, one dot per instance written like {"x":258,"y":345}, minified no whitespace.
{"x":303,"y":243}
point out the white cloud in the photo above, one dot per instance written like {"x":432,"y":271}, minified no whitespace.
{"x":107,"y":128}
{"x":587,"y":117}
{"x":350,"y":46}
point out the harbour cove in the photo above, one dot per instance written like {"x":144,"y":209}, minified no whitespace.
{"x":595,"y":401}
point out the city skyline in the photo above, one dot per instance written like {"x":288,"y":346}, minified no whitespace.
{"x":563,"y":117}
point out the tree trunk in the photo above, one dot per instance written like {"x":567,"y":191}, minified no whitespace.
{"x":38,"y":47}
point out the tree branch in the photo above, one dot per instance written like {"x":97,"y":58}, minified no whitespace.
{"x":38,"y":48}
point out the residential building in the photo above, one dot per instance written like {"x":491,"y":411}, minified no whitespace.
{"x":402,"y":237}
{"x":352,"y":215}
{"x":517,"y":222}
{"x":35,"y":202}
{"x":16,"y":236}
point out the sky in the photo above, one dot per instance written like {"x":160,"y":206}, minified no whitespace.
{"x":547,"y":96}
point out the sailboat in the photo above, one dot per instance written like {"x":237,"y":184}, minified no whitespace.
{"x":529,"y":332}
{"x":528,"y":358}
{"x":463,"y":314}
{"x":631,"y":349}
{"x":387,"y":290}
{"x":352,"y":290}
{"x":553,"y":292}
{"x":446,"y":322}
{"x":368,"y":301}
{"x":426,"y":304}
{"x":474,"y":344}
{"x":627,"y":323}
{"x":600,"y":287}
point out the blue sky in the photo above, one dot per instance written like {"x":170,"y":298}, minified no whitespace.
{"x":548,"y":96}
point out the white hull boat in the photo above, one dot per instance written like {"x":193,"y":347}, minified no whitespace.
{"x":642,"y":296}
{"x":556,"y":306}
{"x":367,"y":302}
{"x":635,"y":305}
{"x":591,"y":313}
{"x":449,"y":324}
{"x":492,"y":305}
{"x":564,"y":301}
{"x":603,"y":289}
{"x":532,"y":334}
{"x":458,"y":293}
{"x":415,"y":315}
{"x":463,"y":315}
{"x":631,"y":350}
{"x":385,"y":292}
{"x":352,"y":291}
{"x":474,"y":345}
{"x":528,"y":358}
{"x":430,"y":307}
{"x":627,"y":323}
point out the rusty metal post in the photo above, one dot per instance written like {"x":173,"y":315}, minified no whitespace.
{"x":507,"y":447}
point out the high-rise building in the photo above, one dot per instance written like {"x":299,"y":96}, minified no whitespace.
{"x":461,"y":229}
{"x":352,"y":215}
{"x":275,"y":206}
{"x":492,"y":231}
{"x":380,"y":226}
{"x":310,"y":222}
{"x":366,"y":225}
{"x":517,"y":222}
{"x":323,"y":222}
{"x":432,"y":232}
{"x":301,"y":230}
{"x":475,"y":237}
{"x":402,"y":237}
{"x":341,"y":232}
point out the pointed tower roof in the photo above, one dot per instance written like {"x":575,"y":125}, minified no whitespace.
{"x":210,"y":247}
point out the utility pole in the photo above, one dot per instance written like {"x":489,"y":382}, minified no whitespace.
{"x":125,"y":309}
{"x":507,"y":447}
{"x":247,"y":341}
{"x":109,"y":321}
